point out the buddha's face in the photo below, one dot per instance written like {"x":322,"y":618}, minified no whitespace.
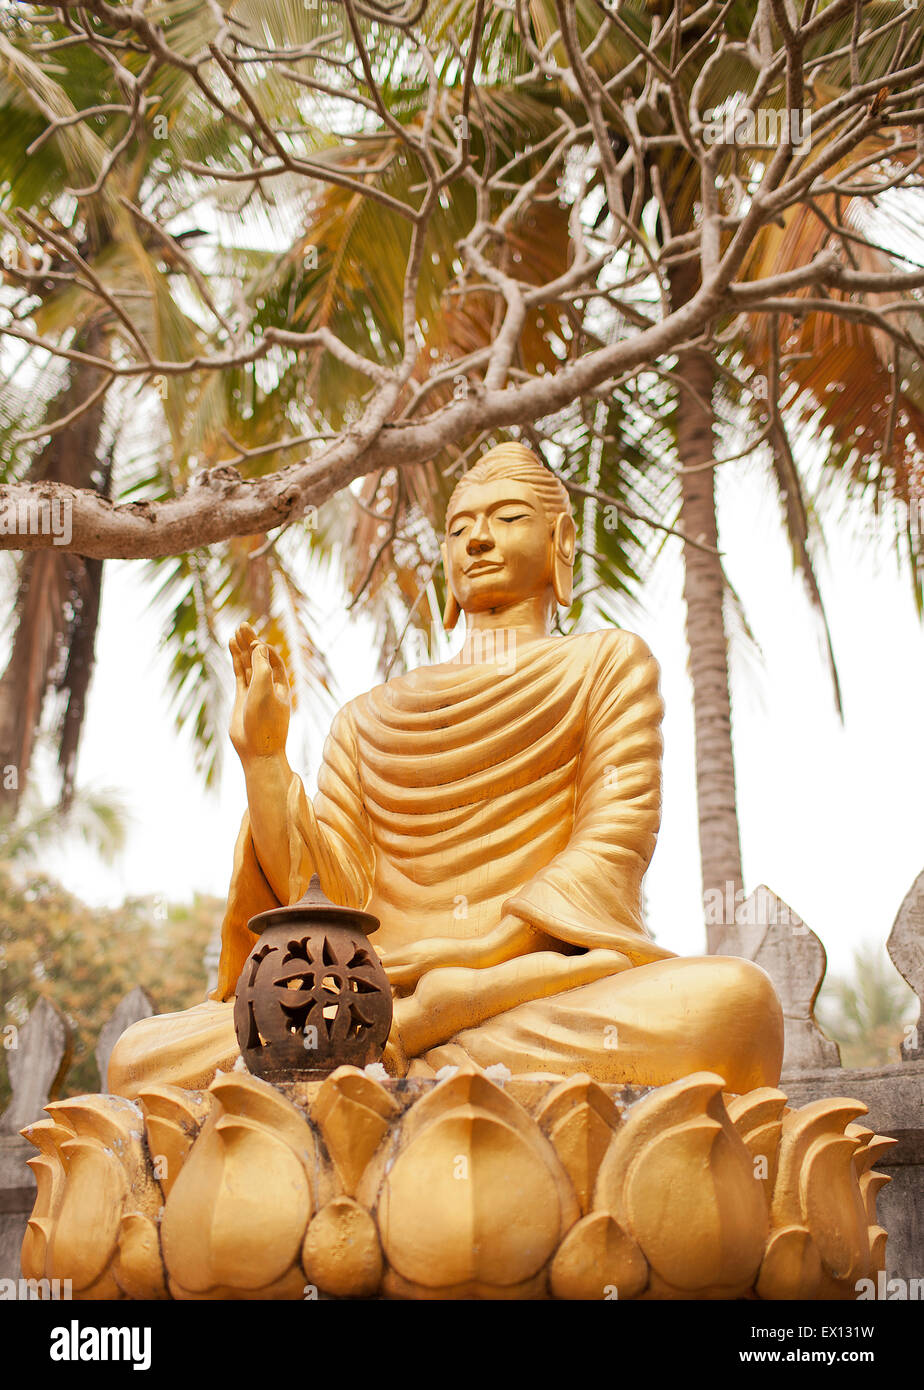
{"x":498,"y":545}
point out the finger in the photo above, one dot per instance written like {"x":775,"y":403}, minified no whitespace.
{"x":400,"y":976}
{"x":403,"y":955}
{"x":278,"y":666}
{"x":393,"y":959}
{"x":280,"y":674}
{"x":236,"y":661}
{"x":246,"y":640}
{"x":246,"y":637}
{"x":261,"y":671}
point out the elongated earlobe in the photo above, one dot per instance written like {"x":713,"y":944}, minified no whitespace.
{"x":452,"y":610}
{"x":563,"y":539}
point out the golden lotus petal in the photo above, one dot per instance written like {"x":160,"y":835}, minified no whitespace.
{"x":86,"y":1228}
{"x":580,"y":1119}
{"x":489,"y":1232}
{"x":872,"y":1148}
{"x":469,"y":1200}
{"x":755,"y":1109}
{"x":117,"y":1125}
{"x":871,"y":1184}
{"x":679,"y":1179}
{"x":251,"y":1098}
{"x":832,"y":1206}
{"x":238,"y":1210}
{"x":791,"y":1267}
{"x":47,"y":1136}
{"x":138,"y":1267}
{"x":877,"y":1249}
{"x":763,"y":1144}
{"x":659,"y":1111}
{"x":353,"y":1113}
{"x":598,"y":1260}
{"x":49,"y":1178}
{"x":109,"y":1119}
{"x":757,"y":1118}
{"x":341,"y":1252}
{"x":863,"y":1134}
{"x":876,"y":1148}
{"x":172,"y":1119}
{"x":34,"y":1250}
{"x":695,"y":1208}
{"x":800,"y":1129}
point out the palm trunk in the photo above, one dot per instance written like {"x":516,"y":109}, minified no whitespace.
{"x":57,"y":601}
{"x":704,"y":585}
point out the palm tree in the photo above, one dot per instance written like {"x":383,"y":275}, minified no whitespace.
{"x":833,"y":379}
{"x":627,"y":449}
{"x":230,"y":418}
{"x":867,"y":1013}
{"x":44,"y":434}
{"x":817,"y":380}
{"x":98,"y":818}
{"x":58,"y":594}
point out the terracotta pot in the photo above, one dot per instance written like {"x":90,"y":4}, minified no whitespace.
{"x":312,"y":995}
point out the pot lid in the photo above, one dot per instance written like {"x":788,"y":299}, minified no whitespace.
{"x":315,"y":904}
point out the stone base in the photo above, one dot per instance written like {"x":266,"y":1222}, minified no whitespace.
{"x":460,"y":1187}
{"x":17,"y":1197}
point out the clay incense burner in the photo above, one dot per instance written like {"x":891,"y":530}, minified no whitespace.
{"x":312,"y":995}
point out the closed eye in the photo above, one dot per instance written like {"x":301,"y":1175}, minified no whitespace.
{"x":520,"y":517}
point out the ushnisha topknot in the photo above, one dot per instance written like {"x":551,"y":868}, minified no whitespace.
{"x":518,"y":463}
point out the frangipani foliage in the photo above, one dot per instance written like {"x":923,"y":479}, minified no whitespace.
{"x":644,"y":235}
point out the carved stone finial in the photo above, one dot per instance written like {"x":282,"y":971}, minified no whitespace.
{"x":37,"y":1064}
{"x":906,"y":949}
{"x":772,"y":935}
{"x":132,"y":1009}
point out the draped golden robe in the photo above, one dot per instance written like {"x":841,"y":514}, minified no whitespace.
{"x":459,"y":793}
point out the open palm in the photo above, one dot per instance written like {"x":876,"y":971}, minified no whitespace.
{"x":262,"y":701}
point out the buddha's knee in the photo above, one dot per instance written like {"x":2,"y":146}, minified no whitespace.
{"x":736,"y":979}
{"x":124,"y":1074}
{"x":741,"y":994}
{"x":182,"y":1049}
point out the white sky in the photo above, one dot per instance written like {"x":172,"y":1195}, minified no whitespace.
{"x":831,"y":817}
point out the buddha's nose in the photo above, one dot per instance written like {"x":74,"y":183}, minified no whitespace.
{"x":480,"y":538}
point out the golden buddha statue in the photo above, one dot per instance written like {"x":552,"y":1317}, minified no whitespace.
{"x":496,"y":812}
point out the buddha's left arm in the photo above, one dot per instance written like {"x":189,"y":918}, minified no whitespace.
{"x":512,"y":937}
{"x":590,"y":893}
{"x":449,"y":1000}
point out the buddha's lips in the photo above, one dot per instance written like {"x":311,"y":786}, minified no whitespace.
{"x":485,"y":567}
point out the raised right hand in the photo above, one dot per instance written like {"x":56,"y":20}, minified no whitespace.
{"x":262,"y":700}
